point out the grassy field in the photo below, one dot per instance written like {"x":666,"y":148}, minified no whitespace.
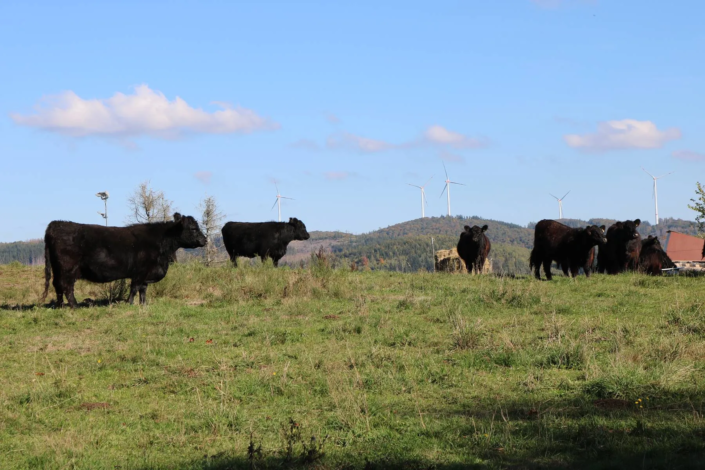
{"x":279,"y":368}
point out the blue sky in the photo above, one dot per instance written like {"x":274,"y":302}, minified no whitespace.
{"x":344,"y":103}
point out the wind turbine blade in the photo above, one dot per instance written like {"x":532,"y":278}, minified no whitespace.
{"x":554,"y":197}
{"x":669,"y":173}
{"x":275,"y":203}
{"x":427,"y":182}
{"x":420,"y":187}
{"x":444,"y":169}
{"x":453,"y":182}
{"x":275,"y":185}
{"x":444,"y":190}
{"x":647,"y":172}
{"x":424,"y":197}
{"x":291,"y":198}
{"x":566,"y":195}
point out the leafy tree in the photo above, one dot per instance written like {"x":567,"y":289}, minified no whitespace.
{"x":699,"y":207}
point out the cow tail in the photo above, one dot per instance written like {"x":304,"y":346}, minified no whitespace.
{"x":533,"y":259}
{"x":47,"y":271}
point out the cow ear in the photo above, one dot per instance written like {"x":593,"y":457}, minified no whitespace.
{"x":291,"y":220}
{"x":467,"y":228}
{"x":177,"y":217}
{"x":484,"y":228}
{"x":603,"y":227}
{"x":637,"y":222}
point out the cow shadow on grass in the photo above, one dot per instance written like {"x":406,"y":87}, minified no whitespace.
{"x":86,"y":303}
{"x":586,"y":431}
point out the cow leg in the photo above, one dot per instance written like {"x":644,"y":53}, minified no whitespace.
{"x":564,"y":268}
{"x":574,"y":270}
{"x":134,"y":286}
{"x":143,"y":294}
{"x":276,"y":262}
{"x":68,"y":289}
{"x":547,"y":268}
{"x":59,"y":291}
{"x":537,"y":271}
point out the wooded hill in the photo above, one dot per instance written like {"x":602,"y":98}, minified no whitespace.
{"x":401,"y":247}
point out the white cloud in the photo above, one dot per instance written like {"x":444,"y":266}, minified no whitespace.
{"x":336,"y":175}
{"x":434,"y":135}
{"x":442,"y":136}
{"x":624,"y":134}
{"x":203,"y":176}
{"x":362,"y":144}
{"x":332,"y":118}
{"x":145,"y":112}
{"x":688,"y":155}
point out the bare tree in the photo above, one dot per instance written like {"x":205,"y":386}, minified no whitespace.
{"x":147,"y":205}
{"x":210,"y":222}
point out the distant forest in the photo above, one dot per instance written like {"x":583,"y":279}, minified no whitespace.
{"x":402,"y":247}
{"x":30,"y":252}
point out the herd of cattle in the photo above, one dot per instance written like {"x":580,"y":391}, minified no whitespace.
{"x":618,"y":249}
{"x":143,"y":252}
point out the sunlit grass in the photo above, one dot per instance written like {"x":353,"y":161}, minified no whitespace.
{"x":383,"y":369}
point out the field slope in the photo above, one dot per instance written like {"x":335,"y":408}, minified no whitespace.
{"x":287,"y":368}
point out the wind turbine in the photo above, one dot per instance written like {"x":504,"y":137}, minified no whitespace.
{"x":655,"y":192}
{"x":278,"y":202}
{"x":423,"y":195}
{"x":560,"y":204}
{"x":447,"y":187}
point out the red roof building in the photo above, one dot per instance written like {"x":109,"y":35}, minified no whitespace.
{"x":681,"y":247}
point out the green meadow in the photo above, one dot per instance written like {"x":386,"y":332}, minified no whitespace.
{"x":258,"y":367}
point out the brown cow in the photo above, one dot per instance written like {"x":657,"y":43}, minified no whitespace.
{"x":652,"y":258}
{"x":569,"y":247}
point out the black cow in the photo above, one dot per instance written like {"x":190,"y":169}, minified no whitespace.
{"x":652,"y":257}
{"x":140,"y":252}
{"x":569,"y":247}
{"x":621,"y":253}
{"x":591,"y":263}
{"x":473,"y":247}
{"x":263,"y":239}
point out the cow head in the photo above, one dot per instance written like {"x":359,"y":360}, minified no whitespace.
{"x":630,"y":228}
{"x":187,"y":233}
{"x":596,"y":234}
{"x":475,"y":233}
{"x":300,"y":232}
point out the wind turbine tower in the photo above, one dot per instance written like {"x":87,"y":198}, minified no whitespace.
{"x":447,"y":187}
{"x":655,"y":191}
{"x":423,"y":195}
{"x":278,"y":202}
{"x":560,"y":204}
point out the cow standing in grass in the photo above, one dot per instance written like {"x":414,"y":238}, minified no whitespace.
{"x":569,"y":247}
{"x":263,"y":239}
{"x":474,"y":247}
{"x":140,"y":252}
{"x":621,"y":253}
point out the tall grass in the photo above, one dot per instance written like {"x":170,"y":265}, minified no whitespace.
{"x":263,"y":367}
